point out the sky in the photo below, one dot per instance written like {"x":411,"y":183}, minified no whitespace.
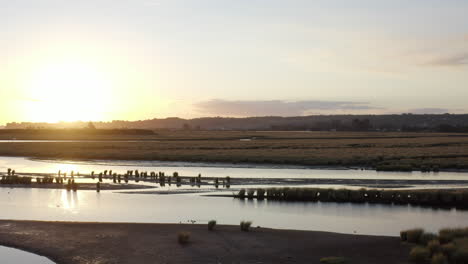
{"x":63,"y":60}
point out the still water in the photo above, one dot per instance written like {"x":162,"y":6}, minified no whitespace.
{"x":107,"y":206}
{"x":15,"y":256}
{"x":21,"y":164}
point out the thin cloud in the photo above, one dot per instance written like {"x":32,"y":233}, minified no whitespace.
{"x":276,"y":107}
{"x":450,"y":60}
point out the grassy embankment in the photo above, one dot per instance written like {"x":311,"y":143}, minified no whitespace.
{"x":382,"y":151}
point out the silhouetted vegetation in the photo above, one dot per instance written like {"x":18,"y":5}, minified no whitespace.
{"x":420,"y":255}
{"x":450,"y":246}
{"x":245,"y":226}
{"x":211,"y":224}
{"x":437,"y":198}
{"x":15,"y":180}
{"x":333,"y":260}
{"x":183,"y":237}
{"x":73,"y":132}
{"x":387,"y":151}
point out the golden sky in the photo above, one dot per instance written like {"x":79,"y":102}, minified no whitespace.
{"x":121,"y":59}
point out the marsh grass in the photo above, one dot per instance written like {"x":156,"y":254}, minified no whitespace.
{"x":449,"y":234}
{"x":414,"y":197}
{"x":448,"y":250}
{"x":434,"y":246}
{"x":15,"y":180}
{"x":414,"y":235}
{"x":425,"y":238}
{"x":241,"y":194}
{"x":419,"y":255}
{"x":439,"y":258}
{"x":385,"y":151}
{"x":260,"y":194}
{"x":450,"y":247}
{"x":250,"y":194}
{"x":404,"y":235}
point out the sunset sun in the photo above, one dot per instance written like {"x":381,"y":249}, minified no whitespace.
{"x":68,"y":91}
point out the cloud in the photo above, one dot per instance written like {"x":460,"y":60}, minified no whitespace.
{"x":450,"y":60}
{"x":277,"y":107}
{"x":422,"y":111}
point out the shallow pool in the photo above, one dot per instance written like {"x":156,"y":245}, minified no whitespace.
{"x":16,"y":256}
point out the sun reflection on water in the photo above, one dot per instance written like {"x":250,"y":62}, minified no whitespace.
{"x":69,"y":201}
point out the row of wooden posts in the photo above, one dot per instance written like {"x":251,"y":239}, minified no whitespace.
{"x":159,"y":177}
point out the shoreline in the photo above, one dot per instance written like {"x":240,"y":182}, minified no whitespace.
{"x":92,"y":242}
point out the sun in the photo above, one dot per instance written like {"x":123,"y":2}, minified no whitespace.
{"x":69,"y":90}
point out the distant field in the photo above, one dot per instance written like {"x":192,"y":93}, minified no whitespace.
{"x":386,"y":151}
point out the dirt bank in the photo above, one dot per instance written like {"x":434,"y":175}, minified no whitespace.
{"x":70,"y":242}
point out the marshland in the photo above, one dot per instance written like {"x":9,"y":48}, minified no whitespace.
{"x":214,"y":131}
{"x":389,"y":151}
{"x":352,"y":183}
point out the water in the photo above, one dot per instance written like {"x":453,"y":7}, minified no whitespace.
{"x":16,"y":256}
{"x":21,"y":164}
{"x":264,"y":174}
{"x":108,"y":206}
{"x":372,"y":219}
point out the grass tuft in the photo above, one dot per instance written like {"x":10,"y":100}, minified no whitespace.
{"x":183,"y":237}
{"x":333,"y":260}
{"x":419,"y":255}
{"x":414,"y":235}
{"x":245,"y":226}
{"x":439,"y":258}
{"x":211,"y":225}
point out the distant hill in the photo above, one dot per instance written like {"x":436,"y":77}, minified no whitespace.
{"x":403,"y":122}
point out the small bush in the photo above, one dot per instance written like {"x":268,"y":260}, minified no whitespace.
{"x":426,"y":237}
{"x":439,"y":258}
{"x":413,"y":235}
{"x":449,"y":234}
{"x":419,"y":255}
{"x":434,"y":246}
{"x":460,"y":255}
{"x":250,"y":194}
{"x":211,"y":225}
{"x":404,"y":235}
{"x":448,"y":249}
{"x":333,"y":260}
{"x":241,"y":194}
{"x":183,"y":237}
{"x":245,"y":226}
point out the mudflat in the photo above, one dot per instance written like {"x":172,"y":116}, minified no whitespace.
{"x":77,"y":242}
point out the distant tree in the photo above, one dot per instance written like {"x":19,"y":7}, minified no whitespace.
{"x":91,"y":125}
{"x":186,"y":126}
{"x":361,"y":125}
